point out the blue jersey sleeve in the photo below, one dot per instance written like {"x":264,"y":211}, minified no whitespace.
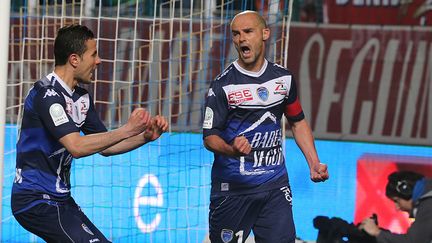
{"x":50,"y":105}
{"x":216,"y":110}
{"x":93,"y":123}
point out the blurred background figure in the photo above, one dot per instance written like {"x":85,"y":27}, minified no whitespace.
{"x":412,"y":193}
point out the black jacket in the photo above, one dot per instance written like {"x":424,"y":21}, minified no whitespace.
{"x":421,"y":230}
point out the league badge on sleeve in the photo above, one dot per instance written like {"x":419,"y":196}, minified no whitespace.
{"x":208,"y":118}
{"x":58,"y":114}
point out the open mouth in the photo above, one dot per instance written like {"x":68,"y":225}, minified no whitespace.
{"x":245,"y":50}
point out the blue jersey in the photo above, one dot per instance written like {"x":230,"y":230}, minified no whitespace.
{"x":251,"y":104}
{"x":51,"y":111}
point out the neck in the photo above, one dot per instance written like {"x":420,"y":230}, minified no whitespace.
{"x":66,"y":75}
{"x":252,"y":67}
{"x":256,"y":65}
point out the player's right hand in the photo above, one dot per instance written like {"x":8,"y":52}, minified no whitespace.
{"x":319,"y":172}
{"x":138,"y":121}
{"x":241,"y":146}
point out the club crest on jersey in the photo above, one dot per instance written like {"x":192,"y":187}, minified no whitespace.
{"x":227,"y":235}
{"x":263,"y":93}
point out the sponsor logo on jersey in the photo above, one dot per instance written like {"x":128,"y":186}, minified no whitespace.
{"x":84,"y":107}
{"x":280,"y":89}
{"x":58,"y":114}
{"x":239,"y":96}
{"x":50,"y":92}
{"x":208,"y":118}
{"x":268,"y":139}
{"x":267,"y":150}
{"x":86,"y":229}
{"x":263,"y":93}
{"x":227,"y":235}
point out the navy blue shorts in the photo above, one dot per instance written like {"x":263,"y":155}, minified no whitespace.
{"x":60,"y":222}
{"x":268,"y":214}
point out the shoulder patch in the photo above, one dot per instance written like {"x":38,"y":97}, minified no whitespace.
{"x":208,"y":118}
{"x":58,"y":114}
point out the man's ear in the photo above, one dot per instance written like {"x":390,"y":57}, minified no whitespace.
{"x":74,"y":60}
{"x":266,"y":33}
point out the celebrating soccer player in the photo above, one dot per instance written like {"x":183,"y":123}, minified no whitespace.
{"x":56,"y":110}
{"x":242,"y":126}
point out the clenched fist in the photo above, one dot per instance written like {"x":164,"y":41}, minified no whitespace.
{"x":241,"y":146}
{"x":158,"y":125}
{"x":319,"y":172}
{"x":138,"y":121}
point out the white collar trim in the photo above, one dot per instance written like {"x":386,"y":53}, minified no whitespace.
{"x":250,"y":73}
{"x":61,"y":82}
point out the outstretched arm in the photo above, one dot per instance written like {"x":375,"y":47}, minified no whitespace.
{"x":80,"y":146}
{"x":304,"y":139}
{"x":158,"y":125}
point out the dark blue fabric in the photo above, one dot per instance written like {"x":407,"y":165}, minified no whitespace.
{"x":60,"y":222}
{"x":268,"y":214}
{"x":242,"y":103}
{"x":43,"y":165}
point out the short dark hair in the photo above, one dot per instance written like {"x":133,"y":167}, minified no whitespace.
{"x":401,"y":184}
{"x":71,"y":39}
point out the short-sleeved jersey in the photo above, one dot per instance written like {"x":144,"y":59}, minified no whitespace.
{"x":51,"y":111}
{"x":251,"y":104}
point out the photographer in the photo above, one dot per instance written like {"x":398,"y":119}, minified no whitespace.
{"x":412,"y":193}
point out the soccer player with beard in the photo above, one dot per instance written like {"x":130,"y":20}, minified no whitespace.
{"x":56,"y":110}
{"x":242,"y":127}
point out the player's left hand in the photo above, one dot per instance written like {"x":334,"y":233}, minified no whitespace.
{"x":158,"y":126}
{"x":319,"y":172}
